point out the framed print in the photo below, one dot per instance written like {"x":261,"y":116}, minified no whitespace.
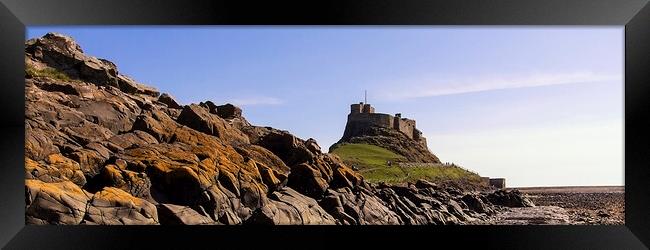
{"x":500,"y":125}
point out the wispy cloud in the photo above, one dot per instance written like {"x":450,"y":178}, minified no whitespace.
{"x":433,"y":86}
{"x":252,"y":101}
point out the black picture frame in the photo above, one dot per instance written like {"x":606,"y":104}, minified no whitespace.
{"x":15,"y":15}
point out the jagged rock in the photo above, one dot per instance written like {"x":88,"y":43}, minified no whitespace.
{"x":416,"y":209}
{"x":342,"y":175}
{"x":63,"y":53}
{"x":231,"y":113}
{"x":283,"y":144}
{"x":312,"y":172}
{"x":54,"y":203}
{"x":312,"y":146}
{"x":228,"y":111}
{"x":129,"y":85}
{"x":304,"y":177}
{"x":55,"y":168}
{"x":169,"y":101}
{"x":271,"y":178}
{"x":264,"y":156}
{"x":476,"y":204}
{"x":358,"y":208}
{"x":512,"y":198}
{"x":223,"y":206}
{"x":203,"y":173}
{"x":87,"y":132}
{"x":288,"y":207}
{"x":424,"y":184}
{"x":307,"y":180}
{"x":170,"y":214}
{"x":200,"y":119}
{"x":39,"y":141}
{"x":59,"y":87}
{"x":101,"y":148}
{"x":170,"y":168}
{"x":91,"y":158}
{"x":212,"y":108}
{"x":454,"y":208}
{"x":113,"y":206}
{"x":68,"y":121}
{"x":136,"y":184}
{"x":132,"y":139}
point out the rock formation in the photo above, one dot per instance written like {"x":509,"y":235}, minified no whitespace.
{"x":101,"y":148}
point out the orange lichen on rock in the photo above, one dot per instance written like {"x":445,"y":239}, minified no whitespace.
{"x":113,"y":206}
{"x":55,"y":203}
{"x":55,"y":168}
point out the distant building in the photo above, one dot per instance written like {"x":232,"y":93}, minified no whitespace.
{"x":498,"y":182}
{"x":494,"y":182}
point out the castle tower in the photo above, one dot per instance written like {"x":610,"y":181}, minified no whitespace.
{"x":396,"y":120}
{"x":356,"y":108}
{"x":368,"y":109}
{"x":361,"y":108}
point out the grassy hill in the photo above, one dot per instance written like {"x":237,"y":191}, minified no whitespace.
{"x":372,"y":162}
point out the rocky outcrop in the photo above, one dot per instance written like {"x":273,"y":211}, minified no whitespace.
{"x":312,"y":172}
{"x":509,"y":198}
{"x":170,"y":214}
{"x":169,"y":101}
{"x":54,"y":203}
{"x":200,"y":119}
{"x":66,"y":203}
{"x":113,"y":206}
{"x":392,"y":140}
{"x":64,"y":54}
{"x":103,"y":149}
{"x":288,"y":207}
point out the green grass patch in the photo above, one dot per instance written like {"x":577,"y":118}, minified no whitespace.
{"x":366,"y":156}
{"x":47,"y":72}
{"x":440,"y":173}
{"x":384,"y":174}
{"x":371,"y":162}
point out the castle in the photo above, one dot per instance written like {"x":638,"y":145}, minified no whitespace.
{"x":363,"y":120}
{"x":363,"y":115}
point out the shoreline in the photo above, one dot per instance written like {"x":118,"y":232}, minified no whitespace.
{"x":573,"y":189}
{"x":568,"y":205}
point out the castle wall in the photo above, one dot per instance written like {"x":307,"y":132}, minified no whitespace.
{"x":380,"y":120}
{"x":355,"y":108}
{"x":405,"y":126}
{"x":368,"y":109}
{"x":363,"y":114}
{"x":361,"y":108}
{"x":417,"y":134}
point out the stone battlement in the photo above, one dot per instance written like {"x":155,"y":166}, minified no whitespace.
{"x":364,"y":114}
{"x":361,"y":108}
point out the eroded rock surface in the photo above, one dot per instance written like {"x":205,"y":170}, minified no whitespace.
{"x":101,"y":148}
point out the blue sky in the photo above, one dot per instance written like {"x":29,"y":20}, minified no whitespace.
{"x":540,"y":106}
